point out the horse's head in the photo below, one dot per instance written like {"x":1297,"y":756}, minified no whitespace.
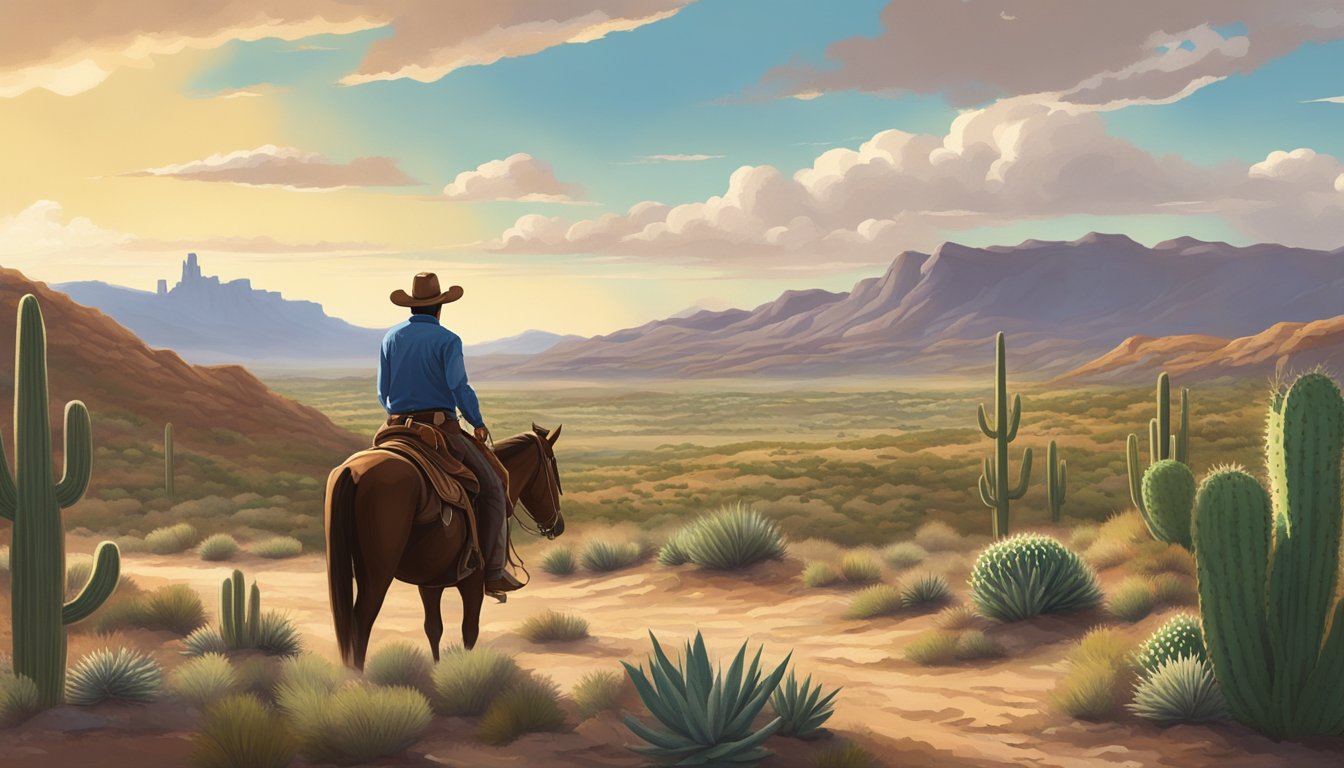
{"x":530,"y":459}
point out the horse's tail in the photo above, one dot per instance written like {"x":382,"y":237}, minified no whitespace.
{"x":340,"y":556}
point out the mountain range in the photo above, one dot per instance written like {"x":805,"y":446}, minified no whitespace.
{"x":1062,"y":304}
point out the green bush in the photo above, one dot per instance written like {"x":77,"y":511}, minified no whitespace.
{"x":974,"y":644}
{"x":240,"y":732}
{"x":172,"y":539}
{"x":258,"y":676}
{"x":925,"y":592}
{"x":819,"y":575}
{"x":1132,"y":600}
{"x":1180,"y":636}
{"x":673,"y":553}
{"x":846,"y":756}
{"x":552,"y":627}
{"x":278,"y":548}
{"x":597,"y":692}
{"x":932,"y":649}
{"x":1181,"y":690}
{"x":1100,"y":671}
{"x":1174,"y":589}
{"x":558,"y":561}
{"x":874,"y":601}
{"x":174,"y":608}
{"x":708,"y":718}
{"x":605,"y":556}
{"x":220,"y":546}
{"x":203,"y":680}
{"x":529,"y":705}
{"x":400,"y":663}
{"x":860,"y":568}
{"x":19,"y":698}
{"x":958,"y":618}
{"x":904,"y":554}
{"x":1028,"y":575}
{"x":277,"y":635}
{"x":122,"y":675}
{"x":801,"y":708}
{"x":733,"y":537}
{"x":203,"y":641}
{"x":309,"y":672}
{"x":356,"y":724}
{"x":466,"y":682}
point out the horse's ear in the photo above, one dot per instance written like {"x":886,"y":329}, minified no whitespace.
{"x":540,"y":430}
{"x":555,"y":435}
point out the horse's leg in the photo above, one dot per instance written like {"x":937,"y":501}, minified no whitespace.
{"x":472,"y":590}
{"x":432,"y":597}
{"x":383,"y":525}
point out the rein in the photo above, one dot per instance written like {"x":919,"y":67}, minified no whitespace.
{"x":546,"y":463}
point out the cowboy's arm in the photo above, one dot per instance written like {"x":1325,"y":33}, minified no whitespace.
{"x":384,"y":376}
{"x":456,"y":372}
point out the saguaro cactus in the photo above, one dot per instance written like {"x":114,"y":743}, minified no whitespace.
{"x":168,"y":463}
{"x":1057,"y":481}
{"x":239,"y":614}
{"x":994,"y":489}
{"x":1267,"y":584}
{"x":1168,"y":523}
{"x":32,"y":499}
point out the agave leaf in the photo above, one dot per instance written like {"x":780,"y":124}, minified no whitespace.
{"x":662,"y":741}
{"x":655,"y":703}
{"x":726,"y":750}
{"x":753,"y":707}
{"x":670,"y":669}
{"x":680,"y":720}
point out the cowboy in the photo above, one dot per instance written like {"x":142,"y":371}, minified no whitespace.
{"x":422,"y":376}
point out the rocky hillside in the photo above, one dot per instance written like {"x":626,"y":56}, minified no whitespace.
{"x":1282,"y":349}
{"x":1062,"y":304}
{"x":128,"y":386}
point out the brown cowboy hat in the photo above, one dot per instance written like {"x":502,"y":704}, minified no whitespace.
{"x":425,"y":292}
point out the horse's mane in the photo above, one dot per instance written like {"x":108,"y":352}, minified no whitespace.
{"x":511,"y":445}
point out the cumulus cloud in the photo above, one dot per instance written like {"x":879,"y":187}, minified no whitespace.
{"x":73,"y":50}
{"x":270,"y":165}
{"x":519,"y":177}
{"x":42,"y":228}
{"x":1100,"y":54}
{"x":1013,"y":160}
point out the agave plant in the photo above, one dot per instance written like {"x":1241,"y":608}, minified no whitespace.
{"x":708,"y":716}
{"x":802,"y":707}
{"x":1181,"y":690}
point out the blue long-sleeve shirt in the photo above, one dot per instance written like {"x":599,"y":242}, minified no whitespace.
{"x":421,"y":369}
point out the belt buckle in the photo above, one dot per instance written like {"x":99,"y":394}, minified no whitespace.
{"x":439,"y":418}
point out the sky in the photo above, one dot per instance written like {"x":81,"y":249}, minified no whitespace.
{"x":585,"y":165}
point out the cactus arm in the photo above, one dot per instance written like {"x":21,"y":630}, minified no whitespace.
{"x":1023,"y":477}
{"x":239,"y":609}
{"x":254,"y":616}
{"x":989,"y":431}
{"x":987,"y":495}
{"x":102,"y":583}
{"x":1163,"y":444}
{"x":1182,"y":453}
{"x":1153,"y":438}
{"x":1063,"y":490}
{"x":1135,"y":474}
{"x":9,"y":494}
{"x":1015,"y":418}
{"x":78,"y":455}
{"x":226,"y":622}
{"x":1321,"y":705}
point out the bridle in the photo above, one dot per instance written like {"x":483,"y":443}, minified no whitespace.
{"x":546,"y":463}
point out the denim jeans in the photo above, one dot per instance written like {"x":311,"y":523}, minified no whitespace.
{"x":491,"y":506}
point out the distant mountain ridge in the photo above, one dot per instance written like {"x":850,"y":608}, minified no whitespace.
{"x":1061,"y":303}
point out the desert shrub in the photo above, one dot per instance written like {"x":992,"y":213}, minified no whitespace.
{"x":530,"y":705}
{"x":399,"y":663}
{"x":673,"y":552}
{"x":860,"y":568}
{"x":974,"y":644}
{"x":356,"y":724}
{"x":240,"y":732}
{"x":597,"y":692}
{"x":932,"y":649}
{"x":1083,"y":537}
{"x":1028,"y":575}
{"x":558,"y":561}
{"x":801,"y":707}
{"x":706,"y":717}
{"x":605,"y":556}
{"x":553,"y":627}
{"x":926,"y":591}
{"x":308,"y":672}
{"x":819,"y":575}
{"x":278,"y":547}
{"x":19,"y":699}
{"x":174,"y":608}
{"x":258,"y":676}
{"x":1156,"y":557}
{"x":203,"y":641}
{"x":1132,"y":600}
{"x":203,"y":680}
{"x":904,"y":554}
{"x":1100,"y":672}
{"x":1106,"y":553}
{"x":465,"y":683}
{"x":78,"y":568}
{"x":277,"y":635}
{"x":733,"y":537}
{"x":1181,"y":690}
{"x":1179,"y":637}
{"x":1128,"y":527}
{"x":220,"y":546}
{"x":877,"y":600}
{"x":845,"y":756}
{"x":1174,"y":589}
{"x":958,"y":618}
{"x":937,"y":536}
{"x":131,"y":545}
{"x":172,"y":539}
{"x":122,"y":675}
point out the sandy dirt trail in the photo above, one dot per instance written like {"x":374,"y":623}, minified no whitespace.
{"x":988,"y":714}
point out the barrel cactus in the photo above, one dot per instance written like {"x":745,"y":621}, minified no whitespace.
{"x":1169,"y":501}
{"x":1268,"y":563}
{"x":1168,"y":452}
{"x":32,"y":499}
{"x":1030,"y":574}
{"x":1180,"y":637}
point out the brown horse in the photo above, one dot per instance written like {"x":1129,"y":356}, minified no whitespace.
{"x":373,"y":537}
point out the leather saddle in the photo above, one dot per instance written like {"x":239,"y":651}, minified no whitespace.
{"x":453,"y":481}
